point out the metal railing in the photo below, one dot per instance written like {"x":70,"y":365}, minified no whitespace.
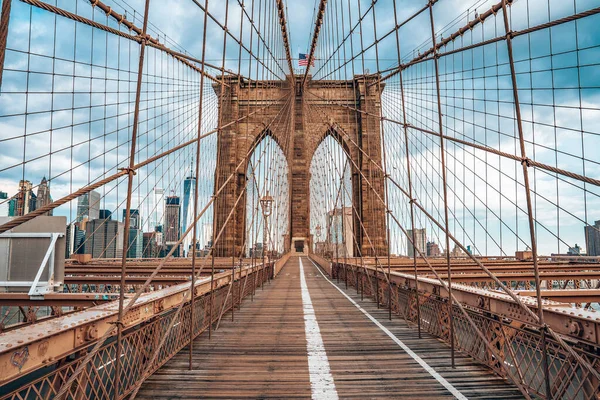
{"x":140,"y":342}
{"x":517,"y":347}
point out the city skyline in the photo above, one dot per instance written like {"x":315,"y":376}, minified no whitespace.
{"x":94,"y":227}
{"x":29,"y":197}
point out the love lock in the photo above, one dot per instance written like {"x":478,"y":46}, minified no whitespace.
{"x":20,"y":357}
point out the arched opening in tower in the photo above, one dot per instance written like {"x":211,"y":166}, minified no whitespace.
{"x":332,"y":215}
{"x":267,"y":200}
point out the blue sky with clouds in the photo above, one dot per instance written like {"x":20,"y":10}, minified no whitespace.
{"x":82,"y":112}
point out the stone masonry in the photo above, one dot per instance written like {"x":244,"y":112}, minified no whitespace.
{"x":299,"y":119}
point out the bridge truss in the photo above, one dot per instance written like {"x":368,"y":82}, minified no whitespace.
{"x":440,"y":157}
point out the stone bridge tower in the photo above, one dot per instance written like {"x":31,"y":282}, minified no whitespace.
{"x":299,"y":119}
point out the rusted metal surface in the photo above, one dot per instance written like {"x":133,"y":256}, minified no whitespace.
{"x":567,"y":295}
{"x":57,"y":299}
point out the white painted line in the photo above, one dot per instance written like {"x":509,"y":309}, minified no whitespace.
{"x":404,"y":347}
{"x":321,"y":381}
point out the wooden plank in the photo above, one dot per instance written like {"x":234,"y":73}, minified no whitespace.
{"x":262,"y":354}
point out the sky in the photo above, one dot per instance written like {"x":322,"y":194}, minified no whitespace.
{"x":81,"y":132}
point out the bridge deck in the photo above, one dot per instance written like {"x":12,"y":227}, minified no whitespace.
{"x":267,"y":350}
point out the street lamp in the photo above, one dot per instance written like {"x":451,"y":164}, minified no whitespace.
{"x":266,"y":203}
{"x":318,"y":233}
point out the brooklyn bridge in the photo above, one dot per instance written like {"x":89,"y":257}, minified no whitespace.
{"x":300,"y":199}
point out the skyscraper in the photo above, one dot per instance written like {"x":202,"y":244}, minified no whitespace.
{"x":136,"y":243}
{"x":206,"y":237}
{"x":104,"y":238}
{"x":43,"y":195}
{"x":150,"y":247}
{"x":134,"y":248}
{"x":189,"y":194}
{"x":12,"y":207}
{"x":134,"y":218}
{"x":105,"y":214}
{"x":420,"y":241}
{"x":172,"y":227}
{"x":592,"y":239}
{"x":158,"y":209}
{"x":75,"y":239}
{"x":25,"y":199}
{"x":4,"y":203}
{"x":88,"y":206}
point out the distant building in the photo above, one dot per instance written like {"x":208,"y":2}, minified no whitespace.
{"x":88,"y":206}
{"x":136,"y":243}
{"x":156,"y":214}
{"x":524,"y":255}
{"x":433,"y":250}
{"x":104,"y":238}
{"x":574,"y":251}
{"x":4,"y":205}
{"x":12,"y":207}
{"x":43,"y":195}
{"x":134,"y":218}
{"x":457,"y":252}
{"x":172,"y":227}
{"x":105,"y":214}
{"x":75,"y":240}
{"x":32,"y":202}
{"x":206,"y":237}
{"x":573,"y":255}
{"x":25,"y":199}
{"x":592,"y":239}
{"x":340,"y":232}
{"x":158,"y":230}
{"x":150,"y":247}
{"x":420,"y":241}
{"x":189,"y":189}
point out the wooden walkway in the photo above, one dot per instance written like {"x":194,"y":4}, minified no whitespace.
{"x":267,"y":350}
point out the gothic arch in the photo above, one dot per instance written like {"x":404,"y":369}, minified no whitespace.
{"x":290,"y":121}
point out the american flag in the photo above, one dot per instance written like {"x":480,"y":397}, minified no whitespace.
{"x":303,"y":60}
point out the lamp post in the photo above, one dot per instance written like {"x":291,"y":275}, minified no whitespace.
{"x":318,"y":233}
{"x":266,"y":203}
